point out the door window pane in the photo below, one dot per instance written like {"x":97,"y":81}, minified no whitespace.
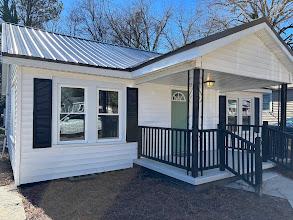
{"x":232,"y":111}
{"x":72,"y":114}
{"x":246,"y":111}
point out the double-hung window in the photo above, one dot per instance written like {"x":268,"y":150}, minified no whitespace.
{"x":72,"y":114}
{"x":108,"y":114}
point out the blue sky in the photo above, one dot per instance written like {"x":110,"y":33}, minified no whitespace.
{"x":157,"y":5}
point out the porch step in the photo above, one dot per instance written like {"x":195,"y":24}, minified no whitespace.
{"x":180,"y":174}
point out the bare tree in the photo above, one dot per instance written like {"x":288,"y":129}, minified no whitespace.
{"x":186,"y":27}
{"x":138,"y":27}
{"x":88,"y":18}
{"x":278,"y":12}
{"x":37,"y":13}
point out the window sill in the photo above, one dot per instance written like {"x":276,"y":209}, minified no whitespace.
{"x":93,"y":144}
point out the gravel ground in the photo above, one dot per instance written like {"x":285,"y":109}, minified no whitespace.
{"x":139,"y":193}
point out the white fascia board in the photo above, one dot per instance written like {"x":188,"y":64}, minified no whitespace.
{"x":196,"y":52}
{"x":284,"y":49}
{"x":259,"y":90}
{"x":67,"y":67}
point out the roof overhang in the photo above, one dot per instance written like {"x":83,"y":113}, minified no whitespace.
{"x":43,"y":64}
{"x":191,"y":52}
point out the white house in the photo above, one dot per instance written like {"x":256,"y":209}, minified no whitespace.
{"x":74,"y":105}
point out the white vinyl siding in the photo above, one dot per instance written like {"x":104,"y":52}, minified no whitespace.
{"x":247,"y":57}
{"x":65,"y":160}
{"x":12,"y":117}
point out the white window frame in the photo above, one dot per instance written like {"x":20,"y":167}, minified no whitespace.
{"x":119,"y":114}
{"x":270,"y":104}
{"x":85,"y":114}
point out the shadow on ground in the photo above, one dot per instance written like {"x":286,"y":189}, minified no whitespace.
{"x":143,"y":194}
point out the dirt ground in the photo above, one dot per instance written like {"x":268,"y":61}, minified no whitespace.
{"x":139,"y":193}
{"x":6,"y":176}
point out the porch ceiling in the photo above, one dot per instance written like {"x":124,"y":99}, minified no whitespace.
{"x":223,"y":81}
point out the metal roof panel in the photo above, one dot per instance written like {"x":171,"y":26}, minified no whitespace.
{"x":29,"y":42}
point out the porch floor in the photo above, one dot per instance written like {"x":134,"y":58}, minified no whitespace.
{"x":180,"y":174}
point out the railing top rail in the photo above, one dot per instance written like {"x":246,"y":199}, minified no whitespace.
{"x":178,"y":129}
{"x":254,"y":126}
{"x":240,"y":138}
{"x":208,"y":130}
{"x":277,"y":129}
{"x":175,"y":129}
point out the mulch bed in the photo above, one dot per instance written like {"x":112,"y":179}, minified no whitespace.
{"x":139,"y":193}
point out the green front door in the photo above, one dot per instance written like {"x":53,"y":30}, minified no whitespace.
{"x":179,"y":109}
{"x":178,"y":119}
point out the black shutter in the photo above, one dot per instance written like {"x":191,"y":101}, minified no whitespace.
{"x":42,"y":124}
{"x":132,"y":115}
{"x":256,"y":111}
{"x":222,"y":109}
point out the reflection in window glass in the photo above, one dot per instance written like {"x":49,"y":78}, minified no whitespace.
{"x":108,"y":101}
{"x":72,"y":127}
{"x":267,"y":99}
{"x":72,"y":115}
{"x":246,"y":111}
{"x":232,"y":111}
{"x":108,"y":117}
{"x":108,"y":126}
{"x":72,"y":100}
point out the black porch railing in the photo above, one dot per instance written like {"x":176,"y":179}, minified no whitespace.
{"x":167,"y":145}
{"x":248,"y":132}
{"x":243,"y":157}
{"x":279,"y":146}
{"x":209,"y":154}
{"x":174,"y":147}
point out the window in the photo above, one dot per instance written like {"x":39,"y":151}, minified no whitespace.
{"x":178,"y":97}
{"x":72,"y":114}
{"x":108,"y":114}
{"x":246,"y":111}
{"x":232,"y":111}
{"x":267,"y":99}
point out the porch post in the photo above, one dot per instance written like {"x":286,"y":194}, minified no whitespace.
{"x":283,"y":106}
{"x":195,"y":115}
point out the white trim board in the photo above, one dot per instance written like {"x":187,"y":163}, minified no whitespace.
{"x":180,"y":174}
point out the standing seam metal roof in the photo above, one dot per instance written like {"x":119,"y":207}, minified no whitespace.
{"x":28,"y":42}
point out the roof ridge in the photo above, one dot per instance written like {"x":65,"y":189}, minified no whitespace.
{"x":80,"y":38}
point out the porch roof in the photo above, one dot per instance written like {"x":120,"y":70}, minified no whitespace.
{"x":190,"y":54}
{"x":224,"y":82}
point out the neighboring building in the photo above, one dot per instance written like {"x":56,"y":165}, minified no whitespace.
{"x":271,"y":106}
{"x":74,"y":105}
